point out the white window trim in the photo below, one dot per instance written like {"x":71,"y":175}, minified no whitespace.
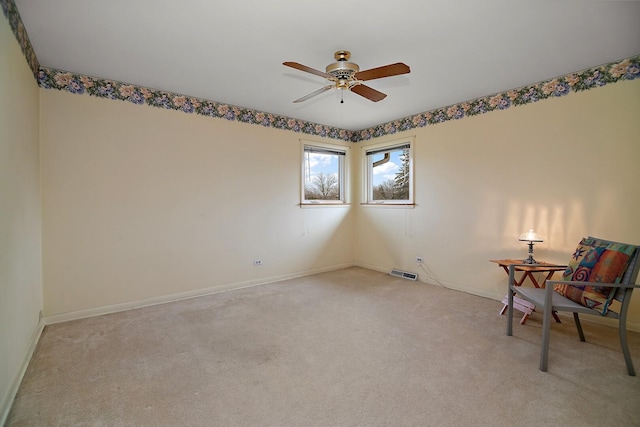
{"x":344,"y":174}
{"x":367,"y":188}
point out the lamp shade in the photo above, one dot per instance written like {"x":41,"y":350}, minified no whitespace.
{"x":530,"y":236}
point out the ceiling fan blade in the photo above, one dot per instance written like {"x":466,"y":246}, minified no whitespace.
{"x":368,"y":92}
{"x":307,"y":69}
{"x":312,"y":94}
{"x":384,"y":71}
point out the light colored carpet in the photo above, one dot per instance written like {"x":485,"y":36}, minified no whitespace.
{"x":347,"y":348}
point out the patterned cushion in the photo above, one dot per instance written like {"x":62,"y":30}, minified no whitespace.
{"x":595,"y":260}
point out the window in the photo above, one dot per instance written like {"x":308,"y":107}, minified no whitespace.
{"x":389,"y":173}
{"x":323,"y":174}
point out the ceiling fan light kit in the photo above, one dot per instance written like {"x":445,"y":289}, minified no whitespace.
{"x":345,"y":75}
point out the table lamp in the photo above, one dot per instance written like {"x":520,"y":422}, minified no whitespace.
{"x":530,"y":237}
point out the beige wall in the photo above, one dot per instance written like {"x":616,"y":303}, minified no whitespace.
{"x":567,"y":167}
{"x":141,"y":203}
{"x":20,"y":236}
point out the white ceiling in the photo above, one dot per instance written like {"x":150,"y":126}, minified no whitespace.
{"x":232,"y":51}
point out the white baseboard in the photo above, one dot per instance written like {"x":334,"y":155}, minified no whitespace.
{"x":15,"y":385}
{"x":372,"y":267}
{"x":423,"y":277}
{"x":631,"y":326}
{"x":5,"y":407}
{"x":115,"y":308}
{"x":63,"y":317}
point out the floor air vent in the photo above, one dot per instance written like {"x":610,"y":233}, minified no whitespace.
{"x":404,"y":274}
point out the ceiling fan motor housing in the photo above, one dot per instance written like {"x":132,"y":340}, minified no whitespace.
{"x":343,"y":70}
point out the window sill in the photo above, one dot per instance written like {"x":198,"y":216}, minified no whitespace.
{"x":389,"y":205}
{"x":324,"y":205}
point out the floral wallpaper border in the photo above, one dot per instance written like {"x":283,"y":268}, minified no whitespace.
{"x":48,"y":78}
{"x":15,"y":22}
{"x":626,"y":69}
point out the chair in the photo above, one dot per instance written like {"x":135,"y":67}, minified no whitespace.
{"x":550,"y":300}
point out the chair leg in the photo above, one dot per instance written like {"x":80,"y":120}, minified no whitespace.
{"x":622,"y":329}
{"x":546,"y":330}
{"x":579,"y":326}
{"x":510,"y":302}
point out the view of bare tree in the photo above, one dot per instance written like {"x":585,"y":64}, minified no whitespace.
{"x":322,"y":187}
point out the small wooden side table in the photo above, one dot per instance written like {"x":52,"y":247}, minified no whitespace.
{"x":542,"y":267}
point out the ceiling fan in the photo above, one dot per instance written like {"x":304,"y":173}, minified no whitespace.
{"x":345,"y":75}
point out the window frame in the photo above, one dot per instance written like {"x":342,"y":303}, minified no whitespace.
{"x":367,"y":189}
{"x":343,"y":182}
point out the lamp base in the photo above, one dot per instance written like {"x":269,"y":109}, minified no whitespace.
{"x":530,"y":260}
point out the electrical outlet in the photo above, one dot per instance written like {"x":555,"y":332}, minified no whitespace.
{"x":257,"y":262}
{"x":419,"y":259}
